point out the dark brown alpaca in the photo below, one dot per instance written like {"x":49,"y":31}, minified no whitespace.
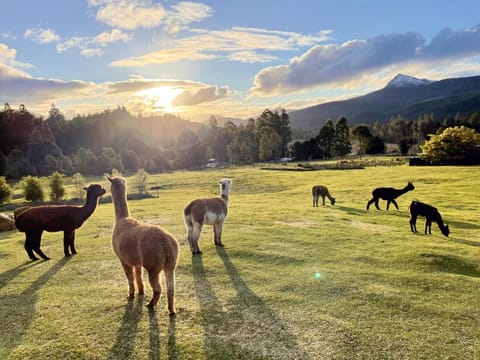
{"x":389,"y":194}
{"x":430,"y":213}
{"x":67,"y":218}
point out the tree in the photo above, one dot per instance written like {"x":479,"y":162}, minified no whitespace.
{"x":32,"y":188}
{"x":270,"y":145}
{"x":457,"y":144}
{"x":57,"y":190}
{"x":5,"y":190}
{"x":375,"y":145}
{"x":141,"y":180}
{"x":342,"y":145}
{"x":326,"y":139}
{"x":362,"y":133}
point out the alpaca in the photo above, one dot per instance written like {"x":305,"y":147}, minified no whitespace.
{"x":389,"y":194}
{"x":67,"y":218}
{"x":212,"y":211}
{"x":430,"y":213}
{"x":320,"y":190}
{"x":139,"y":244}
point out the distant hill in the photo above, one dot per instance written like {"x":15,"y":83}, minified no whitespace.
{"x":404,"y":95}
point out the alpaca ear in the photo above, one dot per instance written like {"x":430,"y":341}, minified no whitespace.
{"x":85,"y":188}
{"x":108,"y":178}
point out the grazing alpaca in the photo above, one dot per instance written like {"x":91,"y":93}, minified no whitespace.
{"x":320,"y":190}
{"x":139,"y":244}
{"x":389,"y":194}
{"x":430,"y":213}
{"x":211,"y":211}
{"x":67,"y":218}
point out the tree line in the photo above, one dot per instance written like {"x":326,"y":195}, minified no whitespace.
{"x":96,"y":144}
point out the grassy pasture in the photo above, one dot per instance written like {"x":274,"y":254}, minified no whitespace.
{"x":292,"y":282}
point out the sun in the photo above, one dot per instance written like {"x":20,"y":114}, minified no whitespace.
{"x":160,"y":98}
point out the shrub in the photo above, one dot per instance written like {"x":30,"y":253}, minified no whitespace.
{"x":141,"y":178}
{"x":32,"y":188}
{"x":5,"y":190}
{"x":57,"y":190}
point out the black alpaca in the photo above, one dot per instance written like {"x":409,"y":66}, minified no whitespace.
{"x":430,"y":213}
{"x":389,"y":194}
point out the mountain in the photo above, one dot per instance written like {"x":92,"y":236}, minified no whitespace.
{"x":404,"y":95}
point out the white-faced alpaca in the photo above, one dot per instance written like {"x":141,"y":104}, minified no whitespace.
{"x":138,"y":245}
{"x":389,"y":194}
{"x":430,"y":213}
{"x":67,"y":218}
{"x":212,"y":211}
{"x":321,"y":191}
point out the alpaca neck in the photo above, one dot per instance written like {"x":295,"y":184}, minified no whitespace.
{"x":89,"y":206}
{"x":225,"y":198}
{"x":329,"y":196}
{"x":121,"y":206}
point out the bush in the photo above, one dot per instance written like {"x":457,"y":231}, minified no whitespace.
{"x":5,"y":190}
{"x":32,"y":188}
{"x":57,"y":190}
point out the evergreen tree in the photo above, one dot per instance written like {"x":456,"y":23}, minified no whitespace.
{"x":32,"y":188}
{"x":326,"y":139}
{"x":342,"y":145}
{"x":57,"y":189}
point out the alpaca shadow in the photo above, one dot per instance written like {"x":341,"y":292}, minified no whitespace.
{"x":22,"y":307}
{"x":155,"y":345}
{"x":350,"y":210}
{"x":451,"y":264}
{"x":268,"y":322}
{"x":125,"y":342}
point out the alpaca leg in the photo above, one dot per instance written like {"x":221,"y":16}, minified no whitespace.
{"x":68,"y":242}
{"x":370,"y":202}
{"x":313,"y":199}
{"x":131,"y":287}
{"x":395,"y":203}
{"x":323,"y":200}
{"x":29,"y":246}
{"x":36,"y":241}
{"x":72,"y":243}
{"x":428,"y":225}
{"x":154,"y":278}
{"x":170,"y":282}
{"x":376,"y":204}
{"x":217,"y":233}
{"x":137,"y":271}
{"x":196,"y":231}
{"x":413,"y":224}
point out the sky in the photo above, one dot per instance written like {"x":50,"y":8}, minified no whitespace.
{"x":224,"y":57}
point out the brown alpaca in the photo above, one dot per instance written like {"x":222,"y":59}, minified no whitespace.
{"x":67,"y":218}
{"x":139,"y":244}
{"x":321,"y":191}
{"x":211,"y":211}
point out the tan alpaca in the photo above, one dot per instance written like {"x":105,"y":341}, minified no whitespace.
{"x":212,"y":211}
{"x":139,"y":244}
{"x":321,"y":191}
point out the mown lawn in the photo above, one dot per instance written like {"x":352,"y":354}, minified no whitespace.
{"x":292,"y":282}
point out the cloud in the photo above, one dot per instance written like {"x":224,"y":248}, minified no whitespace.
{"x":328,"y":64}
{"x":42,"y":36}
{"x":8,"y":57}
{"x":108,"y":37}
{"x":89,"y":45}
{"x":235,"y":44}
{"x":130,"y":15}
{"x":195,"y":96}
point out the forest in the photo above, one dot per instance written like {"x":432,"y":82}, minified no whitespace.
{"x":95,"y":144}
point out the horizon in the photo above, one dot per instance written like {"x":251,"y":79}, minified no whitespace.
{"x":233,"y":60}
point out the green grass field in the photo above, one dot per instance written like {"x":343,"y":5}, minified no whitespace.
{"x":292,"y":282}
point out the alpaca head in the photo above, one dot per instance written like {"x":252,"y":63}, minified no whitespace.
{"x":445,"y":230}
{"x":225,"y":186}
{"x":94,"y":191}
{"x":117,"y":184}
{"x":332,"y":201}
{"x":410,"y":186}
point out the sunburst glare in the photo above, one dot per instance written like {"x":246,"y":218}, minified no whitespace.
{"x":160,"y":98}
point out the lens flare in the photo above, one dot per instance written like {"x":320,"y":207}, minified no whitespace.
{"x":318,"y":275}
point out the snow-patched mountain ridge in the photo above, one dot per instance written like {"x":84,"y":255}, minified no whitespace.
{"x":401,"y":80}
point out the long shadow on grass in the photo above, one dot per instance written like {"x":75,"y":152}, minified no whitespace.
{"x":11,"y":274}
{"x":125,"y":343}
{"x":17,"y":312}
{"x":269,"y":332}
